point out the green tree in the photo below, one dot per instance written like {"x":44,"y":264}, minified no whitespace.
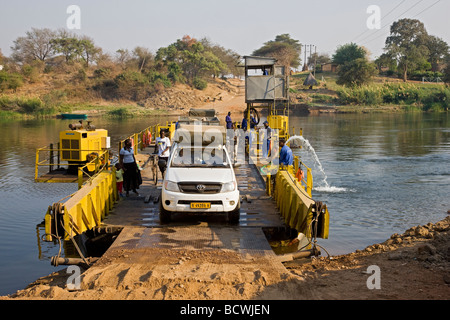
{"x":354,"y":67}
{"x":68,"y":45}
{"x":229,"y":58}
{"x":285,"y":49}
{"x":447,"y":69}
{"x":438,"y":49}
{"x":347,"y":53}
{"x":192,"y":57}
{"x":88,"y":49}
{"x":385,"y":60}
{"x":356,"y":73}
{"x":407,"y":44}
{"x":175,"y":73}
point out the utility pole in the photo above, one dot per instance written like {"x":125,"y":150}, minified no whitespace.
{"x":305,"y":64}
{"x":315,"y":60}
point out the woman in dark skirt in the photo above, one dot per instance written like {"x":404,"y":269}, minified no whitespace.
{"x":130,"y":176}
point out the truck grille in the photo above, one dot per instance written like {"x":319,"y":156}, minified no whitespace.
{"x":191,"y":187}
{"x":216,"y":202}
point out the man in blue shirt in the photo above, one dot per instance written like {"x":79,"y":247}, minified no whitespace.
{"x":286,"y":157}
{"x":252,"y":122}
{"x":268,"y":138}
{"x":228,"y":120}
{"x":244,"y":125}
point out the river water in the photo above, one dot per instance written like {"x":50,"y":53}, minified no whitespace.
{"x":377,"y":173}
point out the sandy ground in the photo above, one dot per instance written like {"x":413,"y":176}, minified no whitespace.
{"x":233,"y":101}
{"x":414,"y":266}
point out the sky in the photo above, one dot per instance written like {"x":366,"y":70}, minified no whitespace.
{"x":240,"y":25}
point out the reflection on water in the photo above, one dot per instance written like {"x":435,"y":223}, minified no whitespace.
{"x":393,"y":168}
{"x":385,"y":173}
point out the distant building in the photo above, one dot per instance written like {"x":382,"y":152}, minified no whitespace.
{"x":329,"y":67}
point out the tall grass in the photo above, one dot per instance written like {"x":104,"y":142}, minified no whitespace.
{"x":436,"y":98}
{"x":121,"y":112}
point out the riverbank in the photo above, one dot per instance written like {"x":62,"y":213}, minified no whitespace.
{"x":327,"y":97}
{"x":176,"y":100}
{"x":413,"y":266}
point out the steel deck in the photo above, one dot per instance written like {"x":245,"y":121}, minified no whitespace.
{"x":139,"y":217}
{"x":257,"y":209}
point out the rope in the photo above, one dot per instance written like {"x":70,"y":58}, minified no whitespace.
{"x":73,"y":240}
{"x":57,"y":210}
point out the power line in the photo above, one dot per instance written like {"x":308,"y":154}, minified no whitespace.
{"x":394,"y":8}
{"x":427,"y":8}
{"x":389,"y":23}
{"x":367,"y":30}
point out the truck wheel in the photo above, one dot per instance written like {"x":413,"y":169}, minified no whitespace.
{"x":234,"y":216}
{"x":164,"y":215}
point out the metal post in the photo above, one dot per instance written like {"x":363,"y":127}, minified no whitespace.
{"x":50,"y":167}
{"x":136,"y":143}
{"x":269,"y":184}
{"x":58,"y":156}
{"x":315,"y":60}
{"x":36,"y":169}
{"x":309,"y":182}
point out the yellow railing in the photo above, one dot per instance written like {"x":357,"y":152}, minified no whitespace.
{"x":93,"y":168}
{"x":85,"y":209}
{"x":53,"y":159}
{"x":146,"y":137}
{"x":293,"y":195}
{"x":307,"y":181}
{"x":296,"y":206}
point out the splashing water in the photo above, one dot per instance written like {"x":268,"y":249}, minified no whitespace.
{"x":323,"y":186}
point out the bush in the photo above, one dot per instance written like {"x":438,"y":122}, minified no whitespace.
{"x":419,"y":75}
{"x":54,"y":98}
{"x":102,"y":72}
{"x":367,"y":95}
{"x":120,"y":112}
{"x":356,"y":72}
{"x":323,"y":98}
{"x":131,"y":85}
{"x":401,"y":93}
{"x":430,"y":98}
{"x":436,"y":100}
{"x":33,"y":105}
{"x":10,"y":81}
{"x":199,"y":84}
{"x":175,"y":73}
{"x":31,"y":72}
{"x":156,"y":78}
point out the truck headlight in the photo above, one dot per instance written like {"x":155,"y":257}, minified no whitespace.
{"x":229,"y":186}
{"x":171,"y":186}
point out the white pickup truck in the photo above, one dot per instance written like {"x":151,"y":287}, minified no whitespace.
{"x":199,"y":177}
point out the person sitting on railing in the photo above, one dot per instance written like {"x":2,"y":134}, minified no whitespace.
{"x":286,"y":157}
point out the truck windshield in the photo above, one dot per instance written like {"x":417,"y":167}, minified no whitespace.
{"x":208,"y":157}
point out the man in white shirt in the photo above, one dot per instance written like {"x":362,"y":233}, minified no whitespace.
{"x":163,"y":145}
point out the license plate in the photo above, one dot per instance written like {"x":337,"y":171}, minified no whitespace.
{"x":200,"y":205}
